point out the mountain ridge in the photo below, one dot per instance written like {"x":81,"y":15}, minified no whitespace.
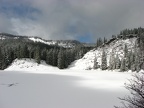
{"x":61,"y":43}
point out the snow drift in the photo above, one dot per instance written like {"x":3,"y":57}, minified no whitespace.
{"x":29,"y":65}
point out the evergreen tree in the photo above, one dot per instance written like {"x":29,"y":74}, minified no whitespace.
{"x":132,"y":61}
{"x":105,"y":40}
{"x":118,"y":62}
{"x":61,"y":62}
{"x":137,"y":61}
{"x":137,"y":57}
{"x":43,"y":54}
{"x":18,"y":52}
{"x":49,"y":57}
{"x":6,"y":58}
{"x":37,"y":54}
{"x":95,"y":64}
{"x":99,"y":42}
{"x":25,"y":51}
{"x":141,"y":47}
{"x":67,"y":58}
{"x":125,"y":51}
{"x":31,"y":53}
{"x":112,"y":63}
{"x":104,"y":61}
{"x":127,"y":62}
{"x":122,"y":68}
{"x":54,"y":57}
{"x":10,"y":55}
{"x":1,"y":62}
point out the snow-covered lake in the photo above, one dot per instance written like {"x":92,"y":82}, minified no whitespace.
{"x":61,"y":89}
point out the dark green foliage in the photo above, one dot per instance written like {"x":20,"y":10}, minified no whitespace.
{"x":112,"y":63}
{"x":118,"y":62}
{"x":1,"y":58}
{"x":135,"y":31}
{"x":49,"y":57}
{"x":122,"y":67}
{"x":96,"y":66}
{"x":99,"y":42}
{"x":125,"y":51}
{"x":43,"y":54}
{"x":54,"y":57}
{"x":37,"y":55}
{"x":104,"y":61}
{"x":61,"y":58}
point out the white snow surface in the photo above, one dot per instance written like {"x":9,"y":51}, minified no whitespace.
{"x":25,"y":84}
{"x":2,"y":38}
{"x":29,"y":65}
{"x":117,"y":46}
{"x":52,"y":42}
{"x":42,"y":41}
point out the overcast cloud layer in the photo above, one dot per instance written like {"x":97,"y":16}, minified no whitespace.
{"x":70,"y":19}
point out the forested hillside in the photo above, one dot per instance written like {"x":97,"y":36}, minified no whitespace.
{"x":12,"y":47}
{"x":123,"y":52}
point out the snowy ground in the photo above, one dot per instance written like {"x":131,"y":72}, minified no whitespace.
{"x":61,"y":89}
{"x":54,"y":88}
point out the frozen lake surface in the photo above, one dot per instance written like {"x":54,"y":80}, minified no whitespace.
{"x":61,"y":89}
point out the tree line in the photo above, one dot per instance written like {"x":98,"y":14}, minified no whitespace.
{"x":132,"y":59}
{"x":53,"y":55}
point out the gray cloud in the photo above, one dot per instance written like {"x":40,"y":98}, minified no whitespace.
{"x":70,"y":19}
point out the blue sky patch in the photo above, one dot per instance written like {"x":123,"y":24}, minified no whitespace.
{"x":86,"y":38}
{"x":18,"y":10}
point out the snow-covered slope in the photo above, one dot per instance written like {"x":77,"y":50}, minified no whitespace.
{"x":29,"y":65}
{"x":117,"y":46}
{"x":62,"y":43}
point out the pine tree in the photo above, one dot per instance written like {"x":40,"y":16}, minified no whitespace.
{"x":112,"y":61}
{"x":18,"y":52}
{"x":118,"y":62}
{"x":49,"y":57}
{"x":125,"y":51}
{"x":132,"y":61}
{"x":37,"y":55}
{"x":31,"y":53}
{"x":122,"y":68}
{"x":61,"y":63}
{"x":105,"y":40}
{"x":137,"y":61}
{"x":141,"y":46}
{"x":104,"y":61}
{"x":67,"y":58}
{"x":43,"y":54}
{"x":127,"y":62}
{"x":54,"y":57}
{"x":25,"y":51}
{"x":95,"y":64}
{"x":6,"y":57}
{"x":137,"y":57}
{"x":1,"y":62}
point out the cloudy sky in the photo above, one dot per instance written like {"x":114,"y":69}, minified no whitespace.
{"x":84,"y":20}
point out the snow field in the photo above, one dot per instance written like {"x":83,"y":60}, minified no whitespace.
{"x":43,"y":86}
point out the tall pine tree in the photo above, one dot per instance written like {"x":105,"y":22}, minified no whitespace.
{"x":37,"y":54}
{"x":61,"y":62}
{"x":104,"y":61}
{"x":95,"y":63}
